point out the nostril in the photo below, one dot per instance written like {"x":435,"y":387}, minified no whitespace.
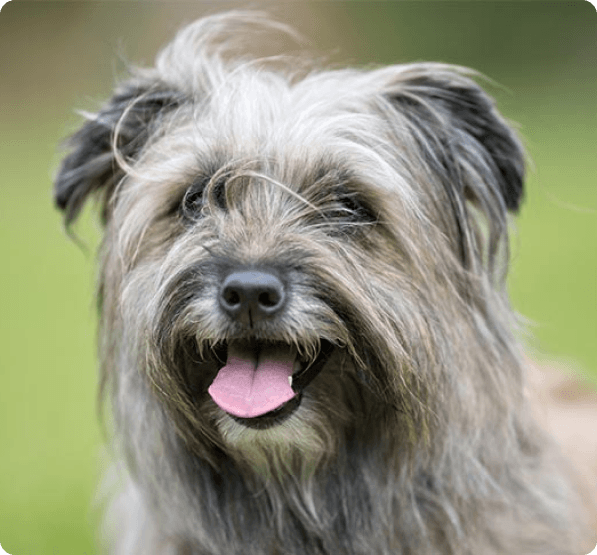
{"x":269,"y":299}
{"x":231,"y":297}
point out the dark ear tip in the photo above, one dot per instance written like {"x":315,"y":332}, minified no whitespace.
{"x":514,"y":196}
{"x":65,"y":187}
{"x":514,"y":204}
{"x":513,"y":174}
{"x":61,"y":200}
{"x":512,"y":185}
{"x":69,"y":193}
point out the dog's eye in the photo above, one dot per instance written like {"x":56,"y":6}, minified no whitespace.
{"x":192,"y":202}
{"x":205,"y":189}
{"x":351,"y":211}
{"x":343,"y":206}
{"x":353,"y":207}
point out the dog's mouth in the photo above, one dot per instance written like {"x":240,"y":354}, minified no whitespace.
{"x":261,"y":383}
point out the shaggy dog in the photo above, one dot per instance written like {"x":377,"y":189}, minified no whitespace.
{"x":305,"y":337}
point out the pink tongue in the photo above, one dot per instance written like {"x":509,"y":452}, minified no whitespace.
{"x":247,"y":387}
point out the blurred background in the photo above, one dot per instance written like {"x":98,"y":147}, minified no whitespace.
{"x":56,"y":57}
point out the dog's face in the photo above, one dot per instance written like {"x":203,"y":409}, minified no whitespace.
{"x":289,"y":261}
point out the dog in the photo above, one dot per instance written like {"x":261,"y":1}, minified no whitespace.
{"x":305,"y":338}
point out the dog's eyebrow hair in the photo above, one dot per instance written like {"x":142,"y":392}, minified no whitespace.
{"x":282,"y":186}
{"x":347,"y":188}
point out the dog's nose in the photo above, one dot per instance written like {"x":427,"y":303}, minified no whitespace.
{"x":252,"y":295}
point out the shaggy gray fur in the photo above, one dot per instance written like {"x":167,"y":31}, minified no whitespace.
{"x":381,"y":200}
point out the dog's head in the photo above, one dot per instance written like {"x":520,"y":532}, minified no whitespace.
{"x":297,"y":253}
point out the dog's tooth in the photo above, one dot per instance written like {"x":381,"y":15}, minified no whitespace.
{"x":290,"y":381}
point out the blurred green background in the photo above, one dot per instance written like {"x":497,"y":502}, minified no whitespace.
{"x":58,"y":56}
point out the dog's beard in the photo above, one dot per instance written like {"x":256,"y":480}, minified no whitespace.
{"x":228,"y":385}
{"x":296,"y":437}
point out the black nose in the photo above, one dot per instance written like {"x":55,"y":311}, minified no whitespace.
{"x":252,"y":295}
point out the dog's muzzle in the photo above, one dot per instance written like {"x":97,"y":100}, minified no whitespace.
{"x":260,"y":382}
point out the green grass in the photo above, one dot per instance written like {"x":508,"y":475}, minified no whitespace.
{"x":49,"y":435}
{"x":554,"y":272}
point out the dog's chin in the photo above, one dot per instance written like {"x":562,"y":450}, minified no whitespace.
{"x":274,"y":444}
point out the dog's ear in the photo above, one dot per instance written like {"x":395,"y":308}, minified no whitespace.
{"x":117,"y":132}
{"x":459,"y":128}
